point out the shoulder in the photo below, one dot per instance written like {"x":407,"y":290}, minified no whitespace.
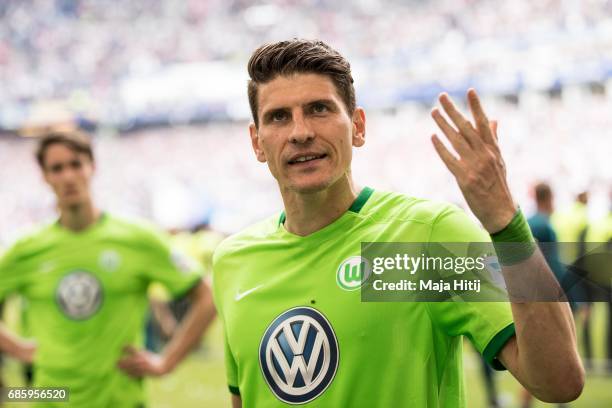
{"x":440,"y":221}
{"x":33,"y":241}
{"x":256,"y":233}
{"x":134,"y":230}
{"x":392,"y":206}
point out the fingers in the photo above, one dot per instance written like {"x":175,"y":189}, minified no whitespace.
{"x":463,"y":125}
{"x":447,"y":157}
{"x":458,"y":142}
{"x":493,"y":125}
{"x":133,"y":365}
{"x":480,"y":118}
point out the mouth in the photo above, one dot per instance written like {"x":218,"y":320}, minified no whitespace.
{"x":306,"y":158}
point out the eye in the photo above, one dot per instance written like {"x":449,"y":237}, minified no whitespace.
{"x":56,"y":168}
{"x":75,"y":164}
{"x":319,"y":108}
{"x":278,"y":116}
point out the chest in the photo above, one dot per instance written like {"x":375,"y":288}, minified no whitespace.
{"x":75,"y":269}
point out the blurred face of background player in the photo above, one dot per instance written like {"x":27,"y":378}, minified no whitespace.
{"x":544,"y":198}
{"x":305,"y":133}
{"x":69,"y":173}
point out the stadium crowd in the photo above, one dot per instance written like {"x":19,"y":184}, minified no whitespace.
{"x":77,"y":55}
{"x":182,"y":176}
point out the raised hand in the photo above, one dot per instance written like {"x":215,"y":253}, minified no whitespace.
{"x":479,"y":170}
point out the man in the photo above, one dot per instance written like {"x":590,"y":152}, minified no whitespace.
{"x":296,"y":332}
{"x":85,"y":277}
{"x":542,"y":230}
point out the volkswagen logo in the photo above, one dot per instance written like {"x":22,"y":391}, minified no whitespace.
{"x":79,"y":295}
{"x":298,"y":355}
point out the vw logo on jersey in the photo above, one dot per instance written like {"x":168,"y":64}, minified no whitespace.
{"x":299,"y":355}
{"x":353,"y":272}
{"x":79,"y":295}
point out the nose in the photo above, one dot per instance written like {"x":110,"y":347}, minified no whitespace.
{"x":301,"y":132}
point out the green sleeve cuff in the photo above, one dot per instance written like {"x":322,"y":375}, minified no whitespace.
{"x":496,"y":344}
{"x":514,"y":243}
{"x":234,"y":390}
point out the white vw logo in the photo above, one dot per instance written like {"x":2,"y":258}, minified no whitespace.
{"x":299,"y":355}
{"x":79,"y":295}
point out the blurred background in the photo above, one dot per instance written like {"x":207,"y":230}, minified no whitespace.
{"x":161,"y":85}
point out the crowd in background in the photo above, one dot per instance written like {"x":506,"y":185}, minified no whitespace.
{"x":81,"y":58}
{"x":182,"y":176}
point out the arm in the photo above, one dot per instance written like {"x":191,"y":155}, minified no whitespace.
{"x":164,"y":317}
{"x":543,"y":355}
{"x":16,"y":347}
{"x":201,"y":313}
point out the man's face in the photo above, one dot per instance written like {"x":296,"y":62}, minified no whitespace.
{"x":69,"y":174}
{"x":305,"y":133}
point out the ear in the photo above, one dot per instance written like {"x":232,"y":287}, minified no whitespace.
{"x":259,"y":153}
{"x":359,"y":124}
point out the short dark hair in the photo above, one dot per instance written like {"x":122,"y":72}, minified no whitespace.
{"x":543,"y":192}
{"x":75,"y":140}
{"x":299,"y":56}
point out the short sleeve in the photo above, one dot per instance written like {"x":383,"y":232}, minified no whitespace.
{"x":12,"y":278}
{"x":488,"y":325}
{"x":231,"y":369}
{"x":170,"y":267}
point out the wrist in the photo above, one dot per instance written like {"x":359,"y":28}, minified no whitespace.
{"x":514,"y":243}
{"x":167,"y":364}
{"x":503,"y":217}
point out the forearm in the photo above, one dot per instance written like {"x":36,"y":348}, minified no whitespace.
{"x":236,"y":401}
{"x":201,"y":313}
{"x":9,"y":343}
{"x":547,"y":361}
{"x":15,"y":346}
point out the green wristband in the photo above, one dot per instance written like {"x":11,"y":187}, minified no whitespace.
{"x":514,"y":243}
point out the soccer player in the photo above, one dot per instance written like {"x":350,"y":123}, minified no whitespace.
{"x":296,"y":330}
{"x":542,"y":229}
{"x":85,"y":277}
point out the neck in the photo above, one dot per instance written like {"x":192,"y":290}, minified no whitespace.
{"x":78,"y":217}
{"x":309,"y":212}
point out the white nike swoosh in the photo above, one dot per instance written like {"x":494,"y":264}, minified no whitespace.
{"x":246,"y":292}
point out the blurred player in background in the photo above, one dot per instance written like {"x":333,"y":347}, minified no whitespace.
{"x":600,"y":232}
{"x":543,"y":232}
{"x":85,"y":277}
{"x":572,"y":227}
{"x":296,"y":329}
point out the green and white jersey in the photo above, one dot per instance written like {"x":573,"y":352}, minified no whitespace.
{"x":294,"y":335}
{"x":87,"y":296}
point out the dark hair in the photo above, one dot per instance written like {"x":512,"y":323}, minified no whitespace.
{"x":75,"y":140}
{"x":299,"y":56}
{"x":542,"y":192}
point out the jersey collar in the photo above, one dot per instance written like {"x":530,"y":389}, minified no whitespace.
{"x":357,"y":205}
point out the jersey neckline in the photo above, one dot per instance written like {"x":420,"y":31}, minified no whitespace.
{"x":355,"y":208}
{"x":94,"y":226}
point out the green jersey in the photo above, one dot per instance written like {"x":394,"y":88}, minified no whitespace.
{"x":87,"y":297}
{"x":296,"y":334}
